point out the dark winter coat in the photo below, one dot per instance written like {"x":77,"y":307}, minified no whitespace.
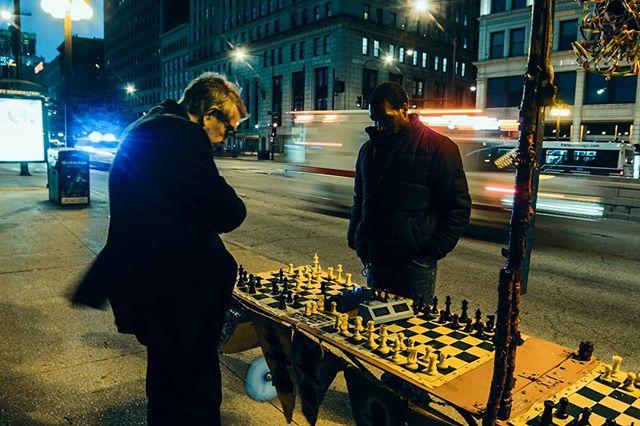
{"x":164,"y":257}
{"x":411,"y":197}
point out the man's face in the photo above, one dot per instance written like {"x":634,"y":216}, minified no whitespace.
{"x":388,"y":120}
{"x":218,"y":124}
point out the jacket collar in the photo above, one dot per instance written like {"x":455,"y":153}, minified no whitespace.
{"x":408,"y":133}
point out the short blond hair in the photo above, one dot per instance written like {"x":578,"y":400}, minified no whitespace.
{"x":212,"y":91}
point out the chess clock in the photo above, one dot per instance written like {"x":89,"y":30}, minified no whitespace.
{"x":349,"y":300}
{"x":382,"y":312}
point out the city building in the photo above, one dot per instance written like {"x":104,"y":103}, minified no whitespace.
{"x":7,"y":57}
{"x":598,"y":109}
{"x":132,"y":49}
{"x":320,"y":55}
{"x":174,"y":45}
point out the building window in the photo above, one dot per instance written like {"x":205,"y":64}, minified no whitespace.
{"x":516,"y":44}
{"x":365,"y":46}
{"x":366,"y":9}
{"x":379,"y":16}
{"x":444,"y":65}
{"x":518,"y":4}
{"x":392,"y":50}
{"x":276,"y":26}
{"x":465,"y":42}
{"x":504,"y":92}
{"x":326,"y":40}
{"x":305,"y":18}
{"x":264,"y":59}
{"x":618,"y":90}
{"x":262,"y":9}
{"x":463,"y":70}
{"x":498,"y":6}
{"x":301,"y":55}
{"x":418,"y":88}
{"x":316,"y":46}
{"x":293,"y":52}
{"x":401,"y":55}
{"x":297,"y":83}
{"x":321,"y":88}
{"x":376,"y":48}
{"x":436,"y":63}
{"x":294,"y":20}
{"x":267,"y":30}
{"x":568,"y":34}
{"x":394,"y":18}
{"x":496,"y":50}
{"x":327,"y":9}
{"x":316,"y":13}
{"x":423,"y":62}
{"x":279,"y":55}
{"x":566,"y":83}
{"x":414,"y":57}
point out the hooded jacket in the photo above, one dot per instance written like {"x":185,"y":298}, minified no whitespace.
{"x":411,"y":198}
{"x":168,"y":205}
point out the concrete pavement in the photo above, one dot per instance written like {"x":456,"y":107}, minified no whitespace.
{"x":66,"y":366}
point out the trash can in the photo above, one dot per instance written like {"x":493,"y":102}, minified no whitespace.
{"x":263,"y":153}
{"x":68,"y":173}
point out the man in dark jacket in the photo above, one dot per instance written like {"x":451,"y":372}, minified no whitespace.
{"x":411,"y":198}
{"x":164,"y":268}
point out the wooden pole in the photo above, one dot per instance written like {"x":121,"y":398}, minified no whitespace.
{"x":538,"y":92}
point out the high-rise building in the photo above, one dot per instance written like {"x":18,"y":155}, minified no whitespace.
{"x":321,"y":54}
{"x":7,"y":54}
{"x":132,"y":49}
{"x":174,"y":44}
{"x":598,"y":109}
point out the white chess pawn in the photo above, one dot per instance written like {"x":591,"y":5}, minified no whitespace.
{"x":397,"y":358}
{"x":427,"y":353}
{"x":333,"y":308}
{"x":431,"y":369}
{"x":383,"y":348}
{"x":309,"y":280}
{"x":314,"y":308}
{"x":344,"y":326}
{"x":443,"y":361}
{"x":307,"y":309}
{"x":358,"y":328}
{"x":411,"y":343}
{"x":321,"y":302}
{"x":338,"y":322}
{"x":290,"y":270}
{"x":298,"y":285}
{"x":637,"y":382}
{"x":318,"y":280}
{"x":628,"y":383}
{"x":348,"y":281}
{"x":606,"y":375}
{"x":401,"y":339}
{"x":371,"y":338}
{"x":330,"y":273}
{"x":339,"y":271}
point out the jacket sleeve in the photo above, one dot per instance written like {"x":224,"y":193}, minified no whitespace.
{"x":450,"y":196}
{"x":208,"y":197}
{"x":356,"y":209}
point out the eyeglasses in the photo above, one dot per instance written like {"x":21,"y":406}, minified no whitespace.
{"x":230,"y":130}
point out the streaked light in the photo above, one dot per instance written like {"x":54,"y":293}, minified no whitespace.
{"x":303,"y":118}
{"x":328,"y":144}
{"x":109,"y":137}
{"x":330,"y":118}
{"x":95,"y":136}
{"x":421,"y":6}
{"x":448,"y":111}
{"x":574,"y":208}
{"x":6,"y":15}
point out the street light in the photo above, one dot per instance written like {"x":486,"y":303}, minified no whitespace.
{"x":130,"y":89}
{"x":69,"y":10}
{"x":241,"y":55}
{"x":559,"y":110}
{"x":387,"y":59}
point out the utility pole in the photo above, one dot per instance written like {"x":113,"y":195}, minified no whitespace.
{"x":538,"y":93}
{"x":17,"y":51}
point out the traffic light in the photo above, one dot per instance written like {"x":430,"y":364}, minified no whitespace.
{"x":338,"y":86}
{"x":274,"y":128}
{"x":358,"y":101}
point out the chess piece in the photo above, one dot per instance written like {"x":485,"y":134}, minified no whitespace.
{"x":561,"y":412}
{"x":314,"y":308}
{"x":316,"y":259}
{"x":637,"y":382}
{"x":611,"y":422}
{"x":307,"y":309}
{"x":280,"y":276}
{"x":321,"y":302}
{"x":339,"y":272}
{"x":319,"y":280}
{"x":606,"y":375}
{"x":348,"y":280}
{"x":434,"y":309}
{"x":480,"y":334}
{"x":431,"y":369}
{"x":426,"y":312}
{"x":491,"y":320}
{"x":584,"y":417}
{"x":585,"y":350}
{"x":290,"y":271}
{"x":330,"y":273}
{"x":628,"y":383}
{"x":289,"y":296}
{"x":285,"y":285}
{"x":338,"y":323}
{"x":296,"y":302}
{"x":282,"y":303}
{"x":428,"y":350}
{"x":258,"y":281}
{"x":411,"y":343}
{"x":309,"y":280}
{"x":383,"y":348}
{"x":333,"y":308}
{"x":546,"y":419}
{"x":252,"y":287}
{"x":443,"y":361}
{"x":397,"y":358}
{"x":464,"y":316}
{"x":358,"y":328}
{"x":344,"y":326}
{"x":416,"y":306}
{"x":443,"y":317}
{"x":274,"y":289}
{"x":478,"y":315}
{"x":615,"y":367}
{"x":412,"y":359}
{"x":447,"y":311}
{"x":468,"y":328}
{"x":401,"y":339}
{"x":455,"y":324}
{"x":371,"y":341}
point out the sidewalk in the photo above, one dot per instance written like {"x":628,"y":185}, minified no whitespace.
{"x":65,"y":366}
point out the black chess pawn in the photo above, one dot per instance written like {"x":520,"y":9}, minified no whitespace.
{"x":415,"y":305}
{"x":252,"y":287}
{"x":323,"y":288}
{"x":480,"y":334}
{"x":426,"y":312}
{"x":447,"y":305}
{"x":546,"y":419}
{"x":464,"y":316}
{"x":258,"y":281}
{"x":275,"y":290}
{"x":455,"y":323}
{"x":251,"y":278}
{"x":468,"y":328}
{"x":561,"y":412}
{"x":611,"y":422}
{"x":285,"y":284}
{"x":434,"y":308}
{"x":289,"y":295}
{"x":584,"y":417}
{"x":443,"y":317}
{"x":478,"y":315}
{"x":282,"y":302}
{"x":245,"y":276}
{"x":296,"y":302}
{"x":491,"y":320}
{"x":240,"y":271}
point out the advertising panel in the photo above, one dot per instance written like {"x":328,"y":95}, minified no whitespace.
{"x":22,"y":129}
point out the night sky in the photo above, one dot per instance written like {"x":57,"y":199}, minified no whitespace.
{"x":50,"y":31}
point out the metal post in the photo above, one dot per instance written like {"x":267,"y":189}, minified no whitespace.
{"x":68,"y":81}
{"x":17,"y":51}
{"x":537,"y":93}
{"x":454,"y":70}
{"x":273,"y":91}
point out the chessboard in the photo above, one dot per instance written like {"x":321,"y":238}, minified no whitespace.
{"x":600,"y":398}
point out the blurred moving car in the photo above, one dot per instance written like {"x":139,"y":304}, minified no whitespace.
{"x":101,"y":148}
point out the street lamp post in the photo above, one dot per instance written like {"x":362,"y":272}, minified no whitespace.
{"x":69,"y":10}
{"x":559,"y":110}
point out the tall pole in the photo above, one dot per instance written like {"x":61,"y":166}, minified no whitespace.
{"x":538,"y":92}
{"x":68,"y":81}
{"x":272,"y":140}
{"x":17,"y":51}
{"x":453,"y":71}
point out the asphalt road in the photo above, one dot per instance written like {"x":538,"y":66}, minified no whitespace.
{"x":583,"y":282}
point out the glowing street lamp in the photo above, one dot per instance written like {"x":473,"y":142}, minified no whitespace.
{"x":130,"y":89}
{"x":421,"y":6}
{"x":69,"y":10}
{"x":559,"y":110}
